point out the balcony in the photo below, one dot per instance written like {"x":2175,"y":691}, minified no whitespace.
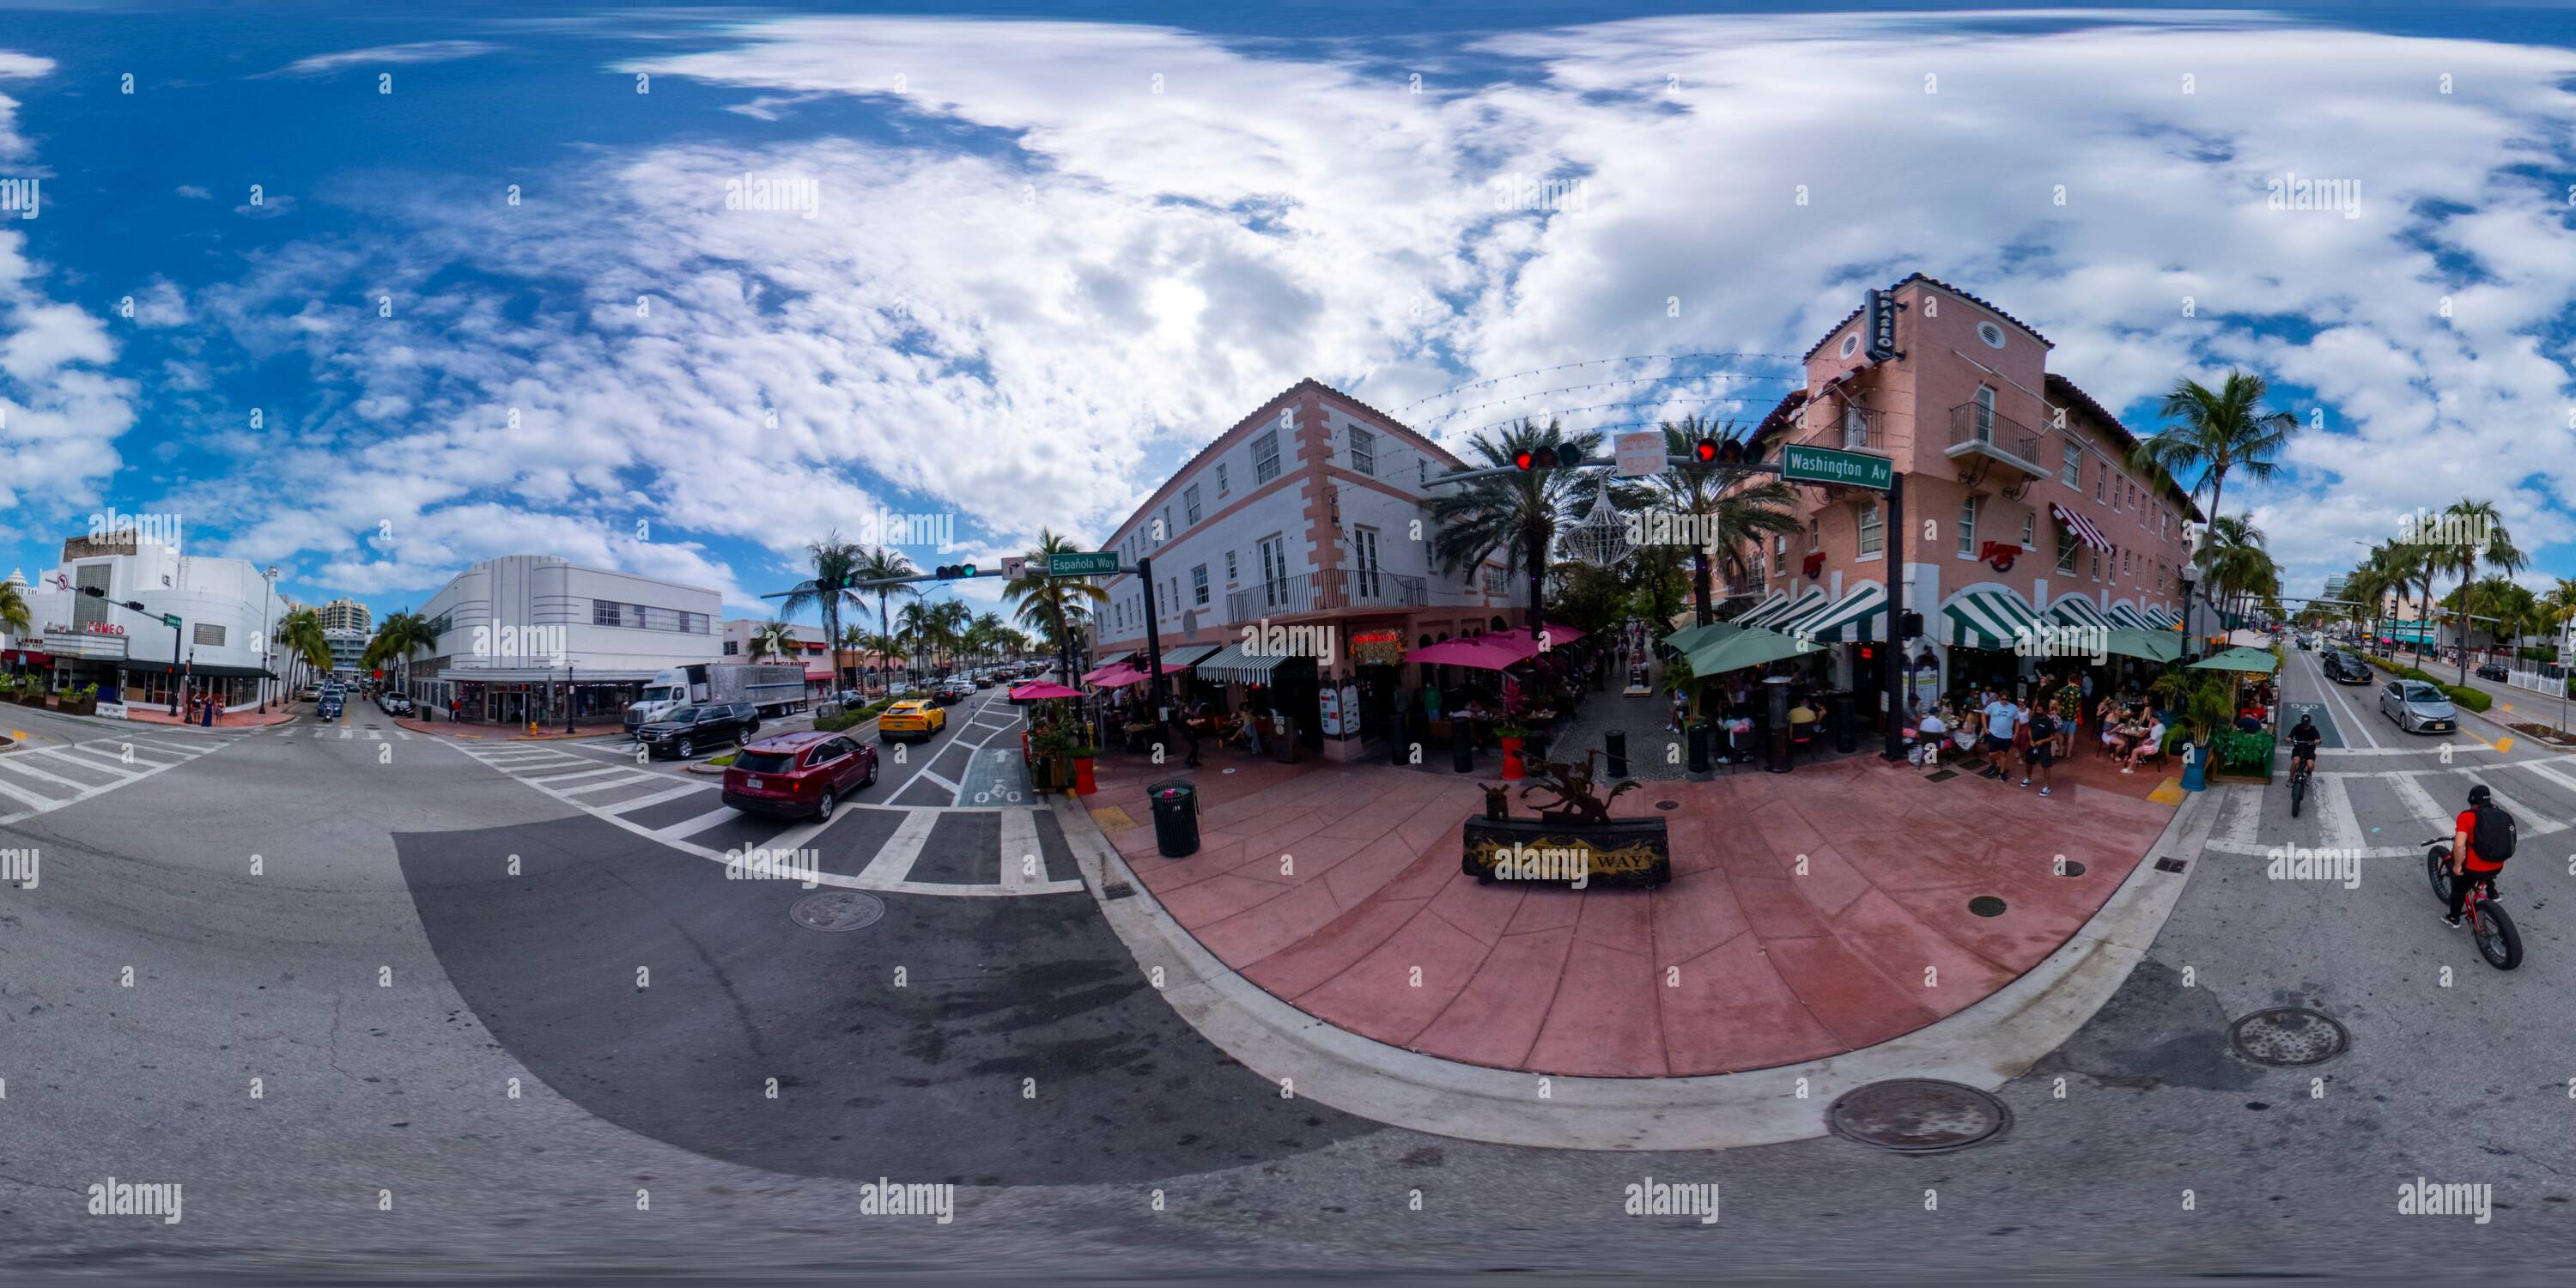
{"x":1856,"y":429}
{"x":1981,"y":442}
{"x":1325,"y":592}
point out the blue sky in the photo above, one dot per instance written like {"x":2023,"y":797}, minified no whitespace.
{"x":1055,"y":248}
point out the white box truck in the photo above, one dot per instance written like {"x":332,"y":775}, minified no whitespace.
{"x":776,"y":688}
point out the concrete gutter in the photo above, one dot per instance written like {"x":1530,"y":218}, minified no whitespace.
{"x":1986,"y":1045}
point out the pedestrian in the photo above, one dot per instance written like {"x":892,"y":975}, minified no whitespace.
{"x":2002,"y":720}
{"x":1681,"y":707}
{"x":455,"y":711}
{"x":1182,"y":718}
{"x":2043,"y":750}
{"x":2088,"y":688}
{"x":2069,"y":714}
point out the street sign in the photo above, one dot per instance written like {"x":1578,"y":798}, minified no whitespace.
{"x":1802,"y":464}
{"x":1640,"y":453}
{"x":170,"y":620}
{"x":1014,"y":567}
{"x":1083,"y":563}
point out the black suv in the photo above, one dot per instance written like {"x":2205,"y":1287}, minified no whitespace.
{"x":702,"y":727}
{"x":2493,"y":671}
{"x":2344,"y":668}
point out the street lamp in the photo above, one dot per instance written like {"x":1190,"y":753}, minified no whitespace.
{"x":2190,"y":605}
{"x":267,"y":646}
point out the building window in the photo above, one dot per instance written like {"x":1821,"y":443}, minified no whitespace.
{"x":1230,"y":578}
{"x":1985,"y":413}
{"x":1780,"y":561}
{"x":1493,"y":579}
{"x":2097,"y":570}
{"x":1220,"y":478}
{"x":2100,"y":477}
{"x":1199,"y":587}
{"x":2072,"y":472}
{"x":1364,"y":585}
{"x":211,"y":635}
{"x":1872,"y":535}
{"x":604,"y":613}
{"x":2029,"y":528}
{"x":1363,"y":450}
{"x":1274,"y":569}
{"x":1815,"y":535}
{"x":1968,"y":527}
{"x":1855,"y":427}
{"x":2067,"y":545}
{"x":733,"y":648}
{"x":1190,"y":505}
{"x":1265,"y":457}
{"x":1170,"y":532}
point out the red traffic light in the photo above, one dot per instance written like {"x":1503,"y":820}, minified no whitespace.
{"x":1705,"y":450}
{"x":1526,"y":460}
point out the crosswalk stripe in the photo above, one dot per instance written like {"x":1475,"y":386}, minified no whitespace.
{"x":691,"y":827}
{"x":2532,"y":822}
{"x":373,"y":736}
{"x":641,"y":802}
{"x":894,"y":860}
{"x":19,"y":765}
{"x":1020,"y":850}
{"x":2335,"y":814}
{"x":568,"y":774}
{"x":2418,"y":801}
{"x":33,"y":798}
{"x":114,"y":760}
{"x":628,"y":781}
{"x":65,"y":754}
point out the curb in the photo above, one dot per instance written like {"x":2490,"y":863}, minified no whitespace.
{"x":1988,"y":1044}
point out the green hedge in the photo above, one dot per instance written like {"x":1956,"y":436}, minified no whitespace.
{"x":2536,"y":654}
{"x":2473,"y":699}
{"x":835,"y":724}
{"x":2240,"y":752}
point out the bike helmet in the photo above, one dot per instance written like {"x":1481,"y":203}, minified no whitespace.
{"x":2479,"y":795}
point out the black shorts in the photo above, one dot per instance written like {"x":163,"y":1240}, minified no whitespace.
{"x":2299,"y":753}
{"x":2042,"y":752}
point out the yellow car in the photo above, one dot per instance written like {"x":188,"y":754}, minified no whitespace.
{"x":911,"y":718}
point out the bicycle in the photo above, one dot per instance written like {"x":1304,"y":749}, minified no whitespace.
{"x":2489,"y":925}
{"x":2300,"y":770}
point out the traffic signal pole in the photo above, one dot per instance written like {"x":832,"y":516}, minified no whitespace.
{"x":1153,"y":636}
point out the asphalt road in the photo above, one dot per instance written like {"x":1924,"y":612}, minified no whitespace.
{"x":459,"y":1072}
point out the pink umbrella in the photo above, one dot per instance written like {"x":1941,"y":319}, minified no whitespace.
{"x":1115,"y":677}
{"x":1037,"y":690}
{"x":1484,"y":653}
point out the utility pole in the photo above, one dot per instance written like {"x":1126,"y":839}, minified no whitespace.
{"x":1899,"y":666}
{"x":1153,"y":636}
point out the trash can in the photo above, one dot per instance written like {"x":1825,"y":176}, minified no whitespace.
{"x":1176,"y":818}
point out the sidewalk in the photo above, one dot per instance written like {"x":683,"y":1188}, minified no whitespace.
{"x":503,"y":733}
{"x":1810,"y":913}
{"x":228,"y":720}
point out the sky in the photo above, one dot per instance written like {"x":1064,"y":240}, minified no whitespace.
{"x":679,"y":291}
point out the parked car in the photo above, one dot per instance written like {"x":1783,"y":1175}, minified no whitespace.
{"x":2493,"y":671}
{"x":327,"y":706}
{"x":2418,"y":707}
{"x":687,"y":731}
{"x":798,"y":774}
{"x":392,"y":703}
{"x":911,"y":718}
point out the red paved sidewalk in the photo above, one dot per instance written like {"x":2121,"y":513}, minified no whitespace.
{"x":1745,"y":961}
{"x":228,"y":720}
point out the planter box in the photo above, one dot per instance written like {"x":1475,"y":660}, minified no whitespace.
{"x":37,"y":701}
{"x":77,"y":706}
{"x":1625,"y":851}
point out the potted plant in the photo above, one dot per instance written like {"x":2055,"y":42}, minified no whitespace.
{"x":1510,"y":731}
{"x":1053,"y":748}
{"x":82,"y":701}
{"x":1083,"y":754}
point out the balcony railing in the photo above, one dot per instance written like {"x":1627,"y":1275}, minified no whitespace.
{"x":1975,"y":430}
{"x":1858,"y":429}
{"x":1325,"y":592}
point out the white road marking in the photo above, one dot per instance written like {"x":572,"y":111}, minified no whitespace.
{"x":2418,"y":802}
{"x":628,"y":781}
{"x":894,"y":860}
{"x":19,"y":765}
{"x":569,"y":774}
{"x":2335,"y":814}
{"x":1020,"y":850}
{"x":2532,"y":822}
{"x":37,"y":799}
{"x":691,"y":827}
{"x":127,"y":774}
{"x":640,"y":802}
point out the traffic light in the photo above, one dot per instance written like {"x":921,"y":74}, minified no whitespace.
{"x":1910,"y":625}
{"x":1705,"y":450}
{"x":954,"y":570}
{"x":1563,"y":456}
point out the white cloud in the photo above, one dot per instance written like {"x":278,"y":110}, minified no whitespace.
{"x":16,"y":66}
{"x":270,"y":206}
{"x":193,"y":192}
{"x":425,"y":51}
{"x":1033,"y":333}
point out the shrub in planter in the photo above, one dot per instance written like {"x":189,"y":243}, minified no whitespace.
{"x":837,"y":721}
{"x":2473,"y":699}
{"x":2238,"y":752}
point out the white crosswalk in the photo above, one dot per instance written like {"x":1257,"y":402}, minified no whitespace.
{"x":40,"y":779}
{"x":2387,"y":814}
{"x":617,"y":793}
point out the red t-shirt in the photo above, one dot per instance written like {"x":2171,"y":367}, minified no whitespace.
{"x":2467,"y":823}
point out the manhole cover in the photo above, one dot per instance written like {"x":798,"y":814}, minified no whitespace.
{"x":1917,"y":1115}
{"x":2288,"y":1037}
{"x":1986,"y":905}
{"x":1941,"y":777}
{"x":2070,"y":868}
{"x":1668,"y":804}
{"x":838,"y":910}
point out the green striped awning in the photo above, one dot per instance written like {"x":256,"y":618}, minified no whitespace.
{"x":1987,"y":619}
{"x":1813,"y":601}
{"x":1764,"y":611}
{"x":1861,"y":614}
{"x":2081,"y":613}
{"x":2163,"y":617}
{"x":2128,"y":616}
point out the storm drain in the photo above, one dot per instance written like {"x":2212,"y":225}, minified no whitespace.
{"x":1986,"y":905}
{"x":2070,"y":868}
{"x":2288,"y":1037}
{"x":1917,"y":1115}
{"x":1668,"y":804}
{"x":838,"y":910}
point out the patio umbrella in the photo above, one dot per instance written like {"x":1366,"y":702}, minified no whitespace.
{"x":2152,"y":646}
{"x":1483,"y":653}
{"x":1558,"y":633}
{"x":1691,"y":637}
{"x":1040,"y":690}
{"x":1116,"y":677}
{"x":2259,"y":661}
{"x":1750,"y":647}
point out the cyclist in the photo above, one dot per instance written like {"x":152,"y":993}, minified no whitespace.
{"x":2483,"y":838}
{"x":2303,"y":744}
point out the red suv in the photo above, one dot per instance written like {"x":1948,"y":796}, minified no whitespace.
{"x":803,"y":773}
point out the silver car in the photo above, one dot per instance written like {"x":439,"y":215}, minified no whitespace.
{"x":2418,"y":707}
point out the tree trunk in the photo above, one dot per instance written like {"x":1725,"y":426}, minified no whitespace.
{"x":1700,"y":583}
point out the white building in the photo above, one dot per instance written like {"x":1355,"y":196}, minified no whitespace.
{"x":522,"y":636}
{"x":223,"y":607}
{"x":348,"y":651}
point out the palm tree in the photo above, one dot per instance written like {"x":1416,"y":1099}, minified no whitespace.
{"x":2368,"y":586}
{"x":1517,"y":513}
{"x":14,"y":618}
{"x":2486,"y":539}
{"x":1056,"y":607}
{"x":879,"y":563}
{"x":401,"y":634}
{"x":299,"y":633}
{"x":2558,"y":607}
{"x":772,"y":639}
{"x":2216,"y":432}
{"x":836,"y":565}
{"x":2238,"y":565}
{"x":1727,"y":503}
